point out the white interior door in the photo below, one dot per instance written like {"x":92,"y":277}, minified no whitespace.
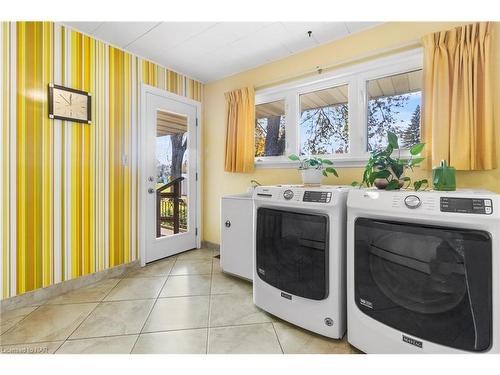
{"x":169,"y":158}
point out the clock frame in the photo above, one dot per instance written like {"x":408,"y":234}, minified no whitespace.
{"x":53,"y":115}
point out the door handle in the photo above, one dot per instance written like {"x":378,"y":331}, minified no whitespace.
{"x":227,"y":224}
{"x":151,"y":191}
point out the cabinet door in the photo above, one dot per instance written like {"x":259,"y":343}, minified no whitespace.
{"x":236,"y":252}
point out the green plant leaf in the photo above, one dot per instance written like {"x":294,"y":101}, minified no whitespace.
{"x":417,"y":185}
{"x":406,"y":180}
{"x":381,"y":174}
{"x":417,"y":149}
{"x":326,"y":161}
{"x":392,"y":185}
{"x":313,"y":162}
{"x":416,"y":161}
{"x":371,"y":178}
{"x":388,"y":151}
{"x":365,"y":177}
{"x":393,"y":140}
{"x":332,"y":170}
{"x":324,"y":173}
{"x":293,"y":157}
{"x":355,"y":183}
{"x":398,"y":169}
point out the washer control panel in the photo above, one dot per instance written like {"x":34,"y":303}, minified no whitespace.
{"x":412,"y":201}
{"x":288,"y":194}
{"x":466,"y":205}
{"x":317,"y":196}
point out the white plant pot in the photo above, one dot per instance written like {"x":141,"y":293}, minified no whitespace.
{"x":311,"y":176}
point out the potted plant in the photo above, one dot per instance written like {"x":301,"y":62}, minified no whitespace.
{"x":313,"y":169}
{"x":388,"y":172}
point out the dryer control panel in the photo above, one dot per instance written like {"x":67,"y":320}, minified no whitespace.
{"x":317,"y":196}
{"x":466,"y":205}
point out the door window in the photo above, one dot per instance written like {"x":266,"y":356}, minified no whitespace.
{"x":172,"y":158}
{"x":292,"y":252}
{"x":431,"y":282}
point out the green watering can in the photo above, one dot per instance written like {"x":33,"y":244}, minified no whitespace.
{"x":443,"y":177}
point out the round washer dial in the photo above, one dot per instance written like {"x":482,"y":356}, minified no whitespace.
{"x":412,"y":201}
{"x":288,"y":194}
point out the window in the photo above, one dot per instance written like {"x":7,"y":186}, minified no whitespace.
{"x":324,"y":120}
{"x":394,"y":105}
{"x":270,"y":129}
{"x":341,"y":115}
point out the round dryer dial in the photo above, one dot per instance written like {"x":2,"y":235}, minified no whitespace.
{"x":288,"y":194}
{"x":412,"y":201}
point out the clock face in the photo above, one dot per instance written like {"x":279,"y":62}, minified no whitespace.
{"x":70,"y":105}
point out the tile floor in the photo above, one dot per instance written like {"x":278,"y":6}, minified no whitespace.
{"x":182,"y":304}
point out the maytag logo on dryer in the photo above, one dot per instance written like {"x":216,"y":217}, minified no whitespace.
{"x":286,"y":295}
{"x":366,"y":303}
{"x":412,"y":341}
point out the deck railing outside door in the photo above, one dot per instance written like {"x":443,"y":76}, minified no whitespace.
{"x":162,"y":201}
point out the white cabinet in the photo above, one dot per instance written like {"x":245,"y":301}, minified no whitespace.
{"x":236,"y":240}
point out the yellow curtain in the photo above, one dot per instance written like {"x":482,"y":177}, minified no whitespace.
{"x":240,"y":123}
{"x":457,"y":106}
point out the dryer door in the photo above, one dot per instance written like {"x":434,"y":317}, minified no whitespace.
{"x":430,"y":282}
{"x":292,"y":252}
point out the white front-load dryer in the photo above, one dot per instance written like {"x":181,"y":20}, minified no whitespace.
{"x":423,"y":271}
{"x":299,"y":255}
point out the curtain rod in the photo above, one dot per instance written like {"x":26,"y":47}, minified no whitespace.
{"x":326,"y":68}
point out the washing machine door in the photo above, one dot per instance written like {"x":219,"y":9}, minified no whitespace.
{"x":430,"y":282}
{"x":292,"y":251}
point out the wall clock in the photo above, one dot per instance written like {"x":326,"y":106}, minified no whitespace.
{"x":69,"y":104}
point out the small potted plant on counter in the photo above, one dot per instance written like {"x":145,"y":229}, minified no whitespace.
{"x":388,"y":172}
{"x":313,"y":169}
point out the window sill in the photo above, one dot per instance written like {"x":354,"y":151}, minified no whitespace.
{"x":351,"y":162}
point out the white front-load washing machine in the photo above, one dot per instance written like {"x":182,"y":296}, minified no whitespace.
{"x":299,"y":255}
{"x":423,"y":271}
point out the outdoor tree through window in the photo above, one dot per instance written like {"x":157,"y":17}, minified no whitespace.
{"x":270,"y":129}
{"x":394,"y":105}
{"x":324,"y":122}
{"x":341,"y":115}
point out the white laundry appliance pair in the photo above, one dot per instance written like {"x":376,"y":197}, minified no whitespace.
{"x":422,"y":270}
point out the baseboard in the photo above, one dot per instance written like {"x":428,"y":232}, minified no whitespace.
{"x":39,"y":296}
{"x":210,"y":245}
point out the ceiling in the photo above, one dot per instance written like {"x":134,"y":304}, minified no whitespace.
{"x":209,"y":51}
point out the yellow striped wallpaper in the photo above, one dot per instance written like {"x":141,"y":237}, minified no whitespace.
{"x":68,"y":196}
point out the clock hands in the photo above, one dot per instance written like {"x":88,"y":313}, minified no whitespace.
{"x":66,"y":100}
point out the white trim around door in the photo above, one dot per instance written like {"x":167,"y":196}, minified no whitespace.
{"x":142,"y":174}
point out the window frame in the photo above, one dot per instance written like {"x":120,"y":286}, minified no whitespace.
{"x":356,"y":77}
